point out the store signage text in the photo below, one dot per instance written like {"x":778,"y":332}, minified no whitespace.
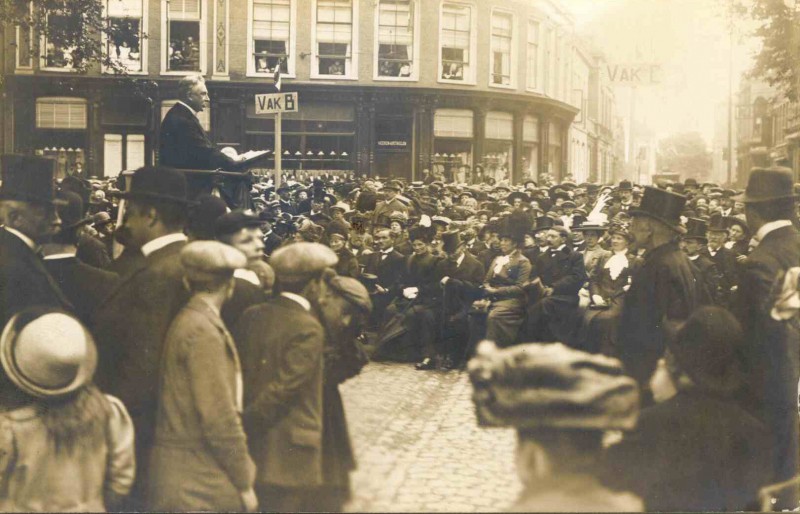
{"x":393,"y":144}
{"x":276,"y":102}
{"x":640,"y":74}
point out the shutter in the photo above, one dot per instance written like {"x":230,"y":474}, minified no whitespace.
{"x":135,"y":151}
{"x":112,"y":155}
{"x":125,"y":8}
{"x":453,"y":123}
{"x":61,"y":113}
{"x":183,"y":9}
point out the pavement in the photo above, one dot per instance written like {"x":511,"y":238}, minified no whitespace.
{"x":418,"y":446}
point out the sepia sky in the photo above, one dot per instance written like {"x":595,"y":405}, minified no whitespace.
{"x":688,"y":38}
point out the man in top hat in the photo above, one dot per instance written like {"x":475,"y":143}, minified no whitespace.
{"x":84,"y":286}
{"x":562,"y":274}
{"x":694,"y":241}
{"x":723,"y":258}
{"x":770,"y":353}
{"x":131,"y":324}
{"x":28,"y":217}
{"x":663,"y":287}
{"x":389,"y":204}
{"x":281,"y":352}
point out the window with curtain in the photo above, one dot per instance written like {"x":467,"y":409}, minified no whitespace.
{"x":61,"y":113}
{"x":334,"y":37}
{"x":124,"y":41}
{"x":395,"y":38}
{"x":56,"y":55}
{"x":271,"y":31}
{"x":502,"y":26}
{"x":455,"y":40}
{"x":184,"y":19}
{"x":532,"y":61}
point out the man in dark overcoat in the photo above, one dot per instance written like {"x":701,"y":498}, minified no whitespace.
{"x":562,"y":274}
{"x":663,"y":286}
{"x":723,"y":258}
{"x":28,"y":217}
{"x":282,"y":345}
{"x":388,"y":265}
{"x":131,"y":324}
{"x":770,"y":355}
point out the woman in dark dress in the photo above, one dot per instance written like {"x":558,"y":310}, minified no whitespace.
{"x":738,"y":237}
{"x":610,"y":281}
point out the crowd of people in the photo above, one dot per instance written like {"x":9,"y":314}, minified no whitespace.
{"x":642,"y":339}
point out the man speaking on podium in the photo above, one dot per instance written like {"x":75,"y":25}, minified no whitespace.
{"x":185,"y":145}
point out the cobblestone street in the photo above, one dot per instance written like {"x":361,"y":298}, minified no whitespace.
{"x":418,"y":447}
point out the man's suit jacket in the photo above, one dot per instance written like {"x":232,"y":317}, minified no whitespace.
{"x":24,"y":281}
{"x":663,"y":286}
{"x":710,"y":277}
{"x":271,"y":243}
{"x":184,"y":143}
{"x":725,"y":260}
{"x":85,"y":286}
{"x":281,"y":353}
{"x":384,"y":209}
{"x":130,"y":327}
{"x":389,"y":271}
{"x":563,"y":270}
{"x":461,"y":289}
{"x":770,"y":354}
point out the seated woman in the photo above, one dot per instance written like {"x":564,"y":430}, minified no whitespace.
{"x":607,"y":286}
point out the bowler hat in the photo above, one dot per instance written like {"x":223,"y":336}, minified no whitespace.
{"x":234,"y":221}
{"x":695,"y":229}
{"x":47,"y":353}
{"x":767,"y":184}
{"x":625,"y":185}
{"x":663,"y":206}
{"x":28,"y":179}
{"x":157,"y":183}
{"x":71,"y":211}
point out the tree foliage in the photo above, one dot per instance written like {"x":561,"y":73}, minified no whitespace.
{"x":75,"y":25}
{"x":685,"y":153}
{"x":777,"y":60}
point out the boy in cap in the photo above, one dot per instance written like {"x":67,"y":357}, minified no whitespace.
{"x":200,"y":461}
{"x":282,"y":344}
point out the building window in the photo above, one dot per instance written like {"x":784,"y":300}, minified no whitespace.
{"x":61,"y":113}
{"x":57,"y":56}
{"x":334,"y":33}
{"x":530,"y":148}
{"x":502,"y":28}
{"x":452,"y":146}
{"x":498,"y":158}
{"x":204,"y":116}
{"x":185,"y":36}
{"x":456,"y":42}
{"x":124,"y":43}
{"x":122,"y":152}
{"x":532,"y":61}
{"x":395,"y":38}
{"x":271,"y":40}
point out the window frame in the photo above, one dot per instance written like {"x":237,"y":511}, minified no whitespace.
{"x":291,"y":71}
{"x":471,"y":77}
{"x":142,"y":40}
{"x":512,"y":55}
{"x":202,"y":43}
{"x":351,"y":72}
{"x":77,"y":100}
{"x":537,"y":86}
{"x":415,"y":42}
{"x":43,"y":50}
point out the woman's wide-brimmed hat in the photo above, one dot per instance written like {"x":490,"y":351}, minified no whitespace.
{"x":768,"y":184}
{"x":47,"y":353}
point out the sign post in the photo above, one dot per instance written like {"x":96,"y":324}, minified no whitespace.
{"x":277,"y":104}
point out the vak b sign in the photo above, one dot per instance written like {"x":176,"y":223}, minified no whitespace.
{"x":276,"y":102}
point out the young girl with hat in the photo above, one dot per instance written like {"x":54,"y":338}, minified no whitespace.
{"x":64,"y":445}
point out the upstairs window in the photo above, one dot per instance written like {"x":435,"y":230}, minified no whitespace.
{"x":125,"y":31}
{"x":502,"y":27}
{"x":271,"y":35}
{"x":184,"y":47}
{"x":334,"y":37}
{"x":57,"y":56}
{"x":532,"y":61}
{"x":395,"y":38}
{"x":456,"y":39}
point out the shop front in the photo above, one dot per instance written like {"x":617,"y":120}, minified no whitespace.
{"x":393,"y":144}
{"x":453,"y":144}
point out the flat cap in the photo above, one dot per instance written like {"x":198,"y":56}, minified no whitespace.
{"x":299,"y":261}
{"x":234,"y":221}
{"x":353,"y":291}
{"x":203,"y":260}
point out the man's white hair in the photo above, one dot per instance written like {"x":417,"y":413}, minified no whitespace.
{"x":188,"y":83}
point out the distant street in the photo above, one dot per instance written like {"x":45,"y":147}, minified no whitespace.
{"x":418,"y":446}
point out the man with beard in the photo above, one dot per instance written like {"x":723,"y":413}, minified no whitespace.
{"x":131,"y":324}
{"x":663,"y":287}
{"x":282,"y":344}
{"x":344,"y":308}
{"x":28,"y":217}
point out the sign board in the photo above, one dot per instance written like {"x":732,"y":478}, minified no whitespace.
{"x":634,"y":74}
{"x":392,"y":145}
{"x":276,"y":102}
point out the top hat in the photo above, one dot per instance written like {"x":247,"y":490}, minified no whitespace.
{"x":157,"y":183}
{"x":451,"y":241}
{"x":663,"y":206}
{"x":28,"y":179}
{"x":542,"y":223}
{"x":767,"y":184}
{"x":695,"y":229}
{"x":47,"y":353}
{"x":704,"y":348}
{"x":717,"y":223}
